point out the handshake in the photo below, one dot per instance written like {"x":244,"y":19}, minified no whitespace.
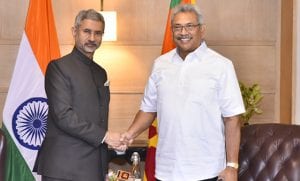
{"x":118,"y":141}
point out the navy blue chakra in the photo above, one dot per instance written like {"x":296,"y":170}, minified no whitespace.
{"x":30,"y":122}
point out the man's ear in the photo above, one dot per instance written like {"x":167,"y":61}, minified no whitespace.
{"x":203,"y":28}
{"x":74,"y":31}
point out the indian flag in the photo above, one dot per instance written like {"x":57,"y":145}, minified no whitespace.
{"x":168,"y":45}
{"x":25,"y":111}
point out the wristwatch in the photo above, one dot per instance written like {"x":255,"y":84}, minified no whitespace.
{"x":232,"y":165}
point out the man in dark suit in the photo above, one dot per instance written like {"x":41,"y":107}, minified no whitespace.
{"x":76,"y":143}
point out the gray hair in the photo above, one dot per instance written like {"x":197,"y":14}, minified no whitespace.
{"x":88,"y":14}
{"x":187,"y":8}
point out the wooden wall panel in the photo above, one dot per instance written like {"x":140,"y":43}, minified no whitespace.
{"x":8,"y":54}
{"x":140,"y":21}
{"x":123,"y":108}
{"x":235,"y":20}
{"x":286,"y":56}
{"x":128,"y":67}
{"x":12,"y":20}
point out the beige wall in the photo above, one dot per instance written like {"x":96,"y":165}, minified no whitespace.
{"x":248,"y":32}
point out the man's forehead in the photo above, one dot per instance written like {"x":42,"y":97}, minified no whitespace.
{"x":185,"y":15}
{"x":91,"y":24}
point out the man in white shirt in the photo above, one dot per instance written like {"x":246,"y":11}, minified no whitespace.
{"x":194,"y":93}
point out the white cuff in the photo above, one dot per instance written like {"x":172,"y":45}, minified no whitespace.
{"x":104,"y":137}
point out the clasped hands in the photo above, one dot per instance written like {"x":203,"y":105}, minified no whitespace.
{"x":118,"y":141}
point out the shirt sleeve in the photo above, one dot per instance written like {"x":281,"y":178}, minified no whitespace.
{"x":230,"y":95}
{"x":149,"y":101}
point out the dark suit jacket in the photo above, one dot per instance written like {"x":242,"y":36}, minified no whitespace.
{"x":77,"y":120}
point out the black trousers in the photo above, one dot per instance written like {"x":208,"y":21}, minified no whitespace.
{"x":211,"y":179}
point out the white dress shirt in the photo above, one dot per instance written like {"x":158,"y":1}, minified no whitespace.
{"x":190,"y":98}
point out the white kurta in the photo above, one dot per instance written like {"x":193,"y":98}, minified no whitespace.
{"x":190,"y":98}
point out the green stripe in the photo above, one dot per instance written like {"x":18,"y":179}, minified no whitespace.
{"x":15,"y":166}
{"x":174,"y":3}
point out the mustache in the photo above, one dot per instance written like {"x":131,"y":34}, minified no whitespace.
{"x":91,"y":44}
{"x":183,"y":37}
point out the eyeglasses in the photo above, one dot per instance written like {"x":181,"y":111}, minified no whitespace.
{"x":187,"y":27}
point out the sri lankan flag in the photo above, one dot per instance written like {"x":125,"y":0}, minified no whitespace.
{"x":167,"y":46}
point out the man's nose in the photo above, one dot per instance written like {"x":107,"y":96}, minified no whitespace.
{"x":183,"y":30}
{"x":92,"y":36}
